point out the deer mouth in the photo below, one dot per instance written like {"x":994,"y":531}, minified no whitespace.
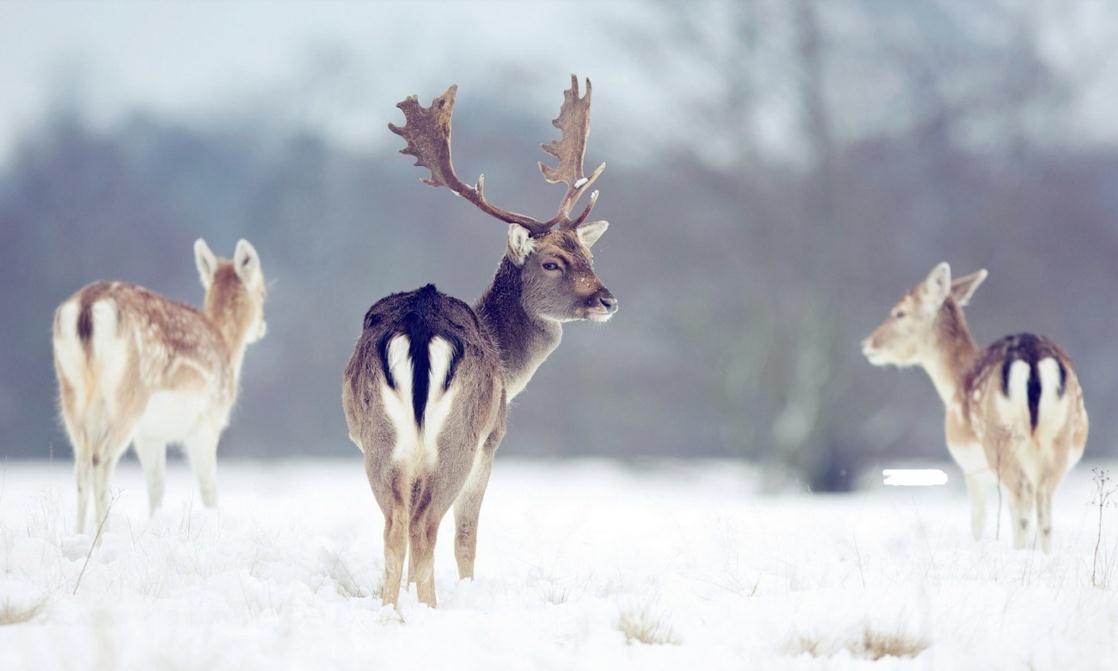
{"x":874,"y":356}
{"x":601,"y":313}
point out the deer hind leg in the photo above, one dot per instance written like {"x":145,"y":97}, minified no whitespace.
{"x":83,"y":466}
{"x":1044,"y":517}
{"x":153,"y":459}
{"x":423,"y":531}
{"x":201,"y":450}
{"x":395,"y":547}
{"x":103,"y":464}
{"x":977,"y":488}
{"x":1021,"y":505}
{"x":83,"y":473}
{"x":467,"y":509}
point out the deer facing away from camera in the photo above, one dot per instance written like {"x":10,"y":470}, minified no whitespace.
{"x":135,"y":367}
{"x":426,"y":392}
{"x":1015,"y":412}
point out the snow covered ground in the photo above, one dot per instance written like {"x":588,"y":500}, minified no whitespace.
{"x":577,"y":563}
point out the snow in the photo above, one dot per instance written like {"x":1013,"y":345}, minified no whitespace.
{"x":283,"y":575}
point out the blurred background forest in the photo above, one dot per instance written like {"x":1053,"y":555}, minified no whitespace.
{"x":780,"y":171}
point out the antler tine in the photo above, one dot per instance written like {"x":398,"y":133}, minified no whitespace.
{"x":570,"y":150}
{"x":427,"y":132}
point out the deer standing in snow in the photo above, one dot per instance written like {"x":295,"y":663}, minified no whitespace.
{"x":1015,"y":411}
{"x":135,"y":367}
{"x":426,"y":392}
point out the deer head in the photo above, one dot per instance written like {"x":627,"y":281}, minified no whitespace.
{"x":914,"y":324}
{"x":552,"y":257}
{"x":234,"y":292}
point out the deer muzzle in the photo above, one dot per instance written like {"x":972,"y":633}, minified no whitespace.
{"x":601,"y":305}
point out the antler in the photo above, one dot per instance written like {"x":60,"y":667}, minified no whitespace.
{"x":427,"y":132}
{"x":574,"y":122}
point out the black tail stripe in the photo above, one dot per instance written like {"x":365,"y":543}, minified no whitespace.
{"x":1034,"y":394}
{"x":85,"y":321}
{"x":419,"y":349}
{"x":457,"y":351}
{"x":382,"y":354}
{"x":420,"y":325}
{"x":1030,"y":349}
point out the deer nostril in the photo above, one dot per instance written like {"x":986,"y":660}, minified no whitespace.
{"x":608,"y":302}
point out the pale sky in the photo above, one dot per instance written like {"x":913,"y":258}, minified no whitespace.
{"x":339,"y":67}
{"x":354,"y":59}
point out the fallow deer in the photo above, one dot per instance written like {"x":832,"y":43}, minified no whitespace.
{"x":135,"y":367}
{"x":426,"y":392}
{"x":1015,"y":412}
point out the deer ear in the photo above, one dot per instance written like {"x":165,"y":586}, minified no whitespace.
{"x":247,"y":263}
{"x":589,"y":232}
{"x":206,"y":261}
{"x":520,"y":244}
{"x":963,"y":288}
{"x":938,"y":284}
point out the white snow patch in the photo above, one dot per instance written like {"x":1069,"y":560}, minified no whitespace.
{"x":571,"y":557}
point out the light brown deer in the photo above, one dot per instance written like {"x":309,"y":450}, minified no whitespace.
{"x":1015,"y":412}
{"x":426,"y":392}
{"x":135,"y":367}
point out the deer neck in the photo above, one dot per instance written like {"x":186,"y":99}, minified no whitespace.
{"x":233,"y":337}
{"x":525,"y":340}
{"x":952,"y":353}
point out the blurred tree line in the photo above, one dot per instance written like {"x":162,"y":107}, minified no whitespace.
{"x":908,"y":133}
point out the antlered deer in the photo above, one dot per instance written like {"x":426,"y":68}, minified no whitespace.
{"x":426,"y":392}
{"x":135,"y":367}
{"x":1015,"y":411}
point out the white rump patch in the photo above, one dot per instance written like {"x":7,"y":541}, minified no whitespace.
{"x":95,"y":380}
{"x":397,"y":402}
{"x":419,"y":449}
{"x":1053,"y":409}
{"x":439,"y":401}
{"x":109,"y":351}
{"x":68,"y":349}
{"x":1014,"y":410}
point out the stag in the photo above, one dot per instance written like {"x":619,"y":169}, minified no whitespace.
{"x":427,"y":389}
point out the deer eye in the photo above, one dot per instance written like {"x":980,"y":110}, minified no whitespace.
{"x":551,"y":266}
{"x":899,"y":314}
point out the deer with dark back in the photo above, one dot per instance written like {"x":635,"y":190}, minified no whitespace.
{"x":427,"y":389}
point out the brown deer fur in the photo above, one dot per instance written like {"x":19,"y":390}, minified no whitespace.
{"x":1014,"y":409}
{"x":135,"y":367}
{"x":426,"y":392}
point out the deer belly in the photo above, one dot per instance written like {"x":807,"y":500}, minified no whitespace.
{"x":970,"y":457}
{"x":172,"y":416}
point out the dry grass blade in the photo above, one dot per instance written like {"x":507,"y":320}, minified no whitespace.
{"x":13,"y":614}
{"x":92,"y":545}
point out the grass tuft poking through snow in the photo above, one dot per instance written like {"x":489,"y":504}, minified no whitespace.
{"x":12,"y":613}
{"x":873,"y":644}
{"x":644,"y":625}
